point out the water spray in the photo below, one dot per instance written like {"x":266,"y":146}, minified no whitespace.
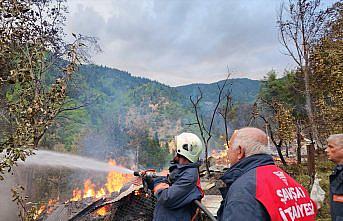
{"x":54,"y":159}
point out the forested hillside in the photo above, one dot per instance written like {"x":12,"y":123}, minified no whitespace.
{"x":72,"y":133}
{"x":119,"y":111}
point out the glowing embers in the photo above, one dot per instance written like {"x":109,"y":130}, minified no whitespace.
{"x":103,"y":210}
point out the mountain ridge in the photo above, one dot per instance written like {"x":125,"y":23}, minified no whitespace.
{"x":128,"y":108}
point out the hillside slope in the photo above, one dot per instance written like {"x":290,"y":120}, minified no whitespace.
{"x":125,"y":109}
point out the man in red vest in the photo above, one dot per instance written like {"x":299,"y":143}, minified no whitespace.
{"x":256,"y":189}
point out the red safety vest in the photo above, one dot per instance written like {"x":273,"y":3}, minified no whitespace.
{"x":199,"y":187}
{"x":283,"y":197}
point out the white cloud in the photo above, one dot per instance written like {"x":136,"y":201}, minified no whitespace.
{"x":179,"y":42}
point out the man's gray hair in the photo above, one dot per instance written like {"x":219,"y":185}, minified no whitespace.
{"x":251,"y":146}
{"x":337,"y":139}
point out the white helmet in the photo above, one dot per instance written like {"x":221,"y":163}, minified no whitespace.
{"x":189,"y":145}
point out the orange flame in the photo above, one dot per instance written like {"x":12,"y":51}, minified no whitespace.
{"x":100,"y":193}
{"x":103,"y":211}
{"x":89,"y":189}
{"x":77,"y":195}
{"x":47,"y":208}
{"x":51,"y":204}
{"x":39,"y":212}
{"x":115,"y":181}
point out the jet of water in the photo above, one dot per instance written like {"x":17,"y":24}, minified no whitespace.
{"x":55,"y":159}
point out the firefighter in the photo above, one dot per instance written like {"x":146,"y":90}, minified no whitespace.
{"x":256,"y":189}
{"x":334,"y":152}
{"x":176,"y":192}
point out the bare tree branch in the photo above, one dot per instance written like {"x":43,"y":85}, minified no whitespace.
{"x":73,"y":108}
{"x":206,"y":130}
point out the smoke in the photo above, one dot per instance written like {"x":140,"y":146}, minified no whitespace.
{"x":54,"y":159}
{"x":45,"y":159}
{"x":8,"y":208}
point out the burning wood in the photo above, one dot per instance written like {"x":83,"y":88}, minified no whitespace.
{"x":115,"y":181}
{"x":45,"y":209}
{"x":88,"y":201}
{"x":105,"y":202}
{"x":131,"y":204}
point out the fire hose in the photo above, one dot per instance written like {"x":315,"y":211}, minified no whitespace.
{"x":205,"y":210}
{"x":151,"y":173}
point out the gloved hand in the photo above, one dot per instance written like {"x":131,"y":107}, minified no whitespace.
{"x":152,"y":182}
{"x":160,"y":186}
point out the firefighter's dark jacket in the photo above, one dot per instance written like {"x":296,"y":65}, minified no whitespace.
{"x":239,"y":202}
{"x":176,"y":202}
{"x":336,"y":193}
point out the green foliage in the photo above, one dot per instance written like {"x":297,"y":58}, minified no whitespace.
{"x":120,"y":102}
{"x":327,"y":79}
{"x":29,"y":102}
{"x":28,"y":106}
{"x":280,"y":105}
{"x":286,"y":90}
{"x":152,"y":154}
{"x":120,"y":106}
{"x":67,"y":129}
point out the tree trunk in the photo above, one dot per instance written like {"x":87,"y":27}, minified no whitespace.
{"x":311,"y":160}
{"x":277,"y":145}
{"x":278,"y":148}
{"x":207,"y":162}
{"x":306,"y":72}
{"x":299,"y":145}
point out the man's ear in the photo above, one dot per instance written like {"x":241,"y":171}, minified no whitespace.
{"x":241,"y":153}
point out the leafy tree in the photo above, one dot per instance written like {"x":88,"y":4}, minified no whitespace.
{"x":152,"y":154}
{"x":326,"y":80}
{"x":287,"y":90}
{"x":301,"y":23}
{"x":280,"y":106}
{"x":31,"y":46}
{"x":278,"y":121}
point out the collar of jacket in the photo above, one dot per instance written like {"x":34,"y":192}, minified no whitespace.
{"x":183,"y":166}
{"x":244,"y":165}
{"x":338,"y":168}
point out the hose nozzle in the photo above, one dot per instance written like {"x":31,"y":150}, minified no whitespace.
{"x":151,"y":173}
{"x":137,"y":173}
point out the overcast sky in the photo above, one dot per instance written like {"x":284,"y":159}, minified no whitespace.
{"x":179,"y":42}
